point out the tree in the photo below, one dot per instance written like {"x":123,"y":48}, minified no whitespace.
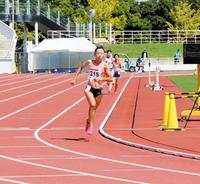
{"x":195,"y":4}
{"x":80,"y":16}
{"x":122,"y":8}
{"x":163,"y":10}
{"x":103,"y":9}
{"x":184,"y":17}
{"x":137,"y":23}
{"x":119,"y":22}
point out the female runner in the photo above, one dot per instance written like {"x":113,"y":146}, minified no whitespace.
{"x":116,"y":69}
{"x":98,"y":73}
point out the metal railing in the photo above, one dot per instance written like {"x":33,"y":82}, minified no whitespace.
{"x":156,"y":36}
{"x":135,"y":37}
{"x":35,"y":8}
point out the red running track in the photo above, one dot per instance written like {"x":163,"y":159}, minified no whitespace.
{"x":43,"y":139}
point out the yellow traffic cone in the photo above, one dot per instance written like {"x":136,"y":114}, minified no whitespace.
{"x":172,"y":123}
{"x":165,"y":111}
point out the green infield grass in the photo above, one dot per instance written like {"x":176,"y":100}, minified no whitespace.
{"x":154,"y":50}
{"x":188,"y":83}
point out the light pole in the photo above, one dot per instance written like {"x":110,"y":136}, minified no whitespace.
{"x":13,"y":14}
{"x":92,"y":13}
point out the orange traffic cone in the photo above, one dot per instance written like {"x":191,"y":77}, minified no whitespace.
{"x":172,"y":123}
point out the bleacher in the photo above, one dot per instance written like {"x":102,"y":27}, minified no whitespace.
{"x":4,"y":46}
{"x":7,"y":48}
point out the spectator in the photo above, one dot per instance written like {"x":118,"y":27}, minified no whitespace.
{"x":177,"y":56}
{"x":144,"y":55}
{"x":140,"y":64}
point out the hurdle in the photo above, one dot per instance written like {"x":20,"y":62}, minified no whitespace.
{"x":157,"y":86}
{"x":150,"y":83}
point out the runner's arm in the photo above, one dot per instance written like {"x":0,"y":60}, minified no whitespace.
{"x":79,"y":70}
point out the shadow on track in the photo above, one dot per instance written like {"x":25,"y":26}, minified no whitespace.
{"x":72,"y":139}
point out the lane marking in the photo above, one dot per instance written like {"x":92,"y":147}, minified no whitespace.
{"x":30,"y":163}
{"x":72,"y":171}
{"x":40,"y":101}
{"x":14,"y":129}
{"x":137,"y":145}
{"x":12,"y":181}
{"x":124,"y":170}
{"x":18,"y":77}
{"x":56,"y":158}
{"x":3,"y":147}
{"x":39,"y":176}
{"x":29,"y":79}
{"x":46,"y":129}
{"x":101,"y":158}
{"x":36,"y":90}
{"x":67,"y":170}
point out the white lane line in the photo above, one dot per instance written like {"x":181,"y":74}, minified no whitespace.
{"x":124,"y":170}
{"x":21,"y":147}
{"x":40,"y":101}
{"x":15,"y":129}
{"x":101,"y":158}
{"x":29,"y":79}
{"x":67,"y":170}
{"x":61,"y":169}
{"x":47,"y":156}
{"x":30,"y":84}
{"x":137,"y":145}
{"x":16,"y":77}
{"x":92,"y":156}
{"x":47,"y":129}
{"x":43,"y":176}
{"x":23,"y":94}
{"x":12,"y":181}
{"x":56,"y":158}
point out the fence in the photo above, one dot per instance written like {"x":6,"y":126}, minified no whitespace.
{"x":157,"y":36}
{"x":131,"y":37}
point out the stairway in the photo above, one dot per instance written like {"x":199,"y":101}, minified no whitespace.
{"x":32,"y":12}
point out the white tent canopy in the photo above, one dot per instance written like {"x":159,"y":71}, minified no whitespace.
{"x":71,"y":44}
{"x":64,"y":53}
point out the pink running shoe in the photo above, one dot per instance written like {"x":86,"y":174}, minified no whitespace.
{"x":88,"y":128}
